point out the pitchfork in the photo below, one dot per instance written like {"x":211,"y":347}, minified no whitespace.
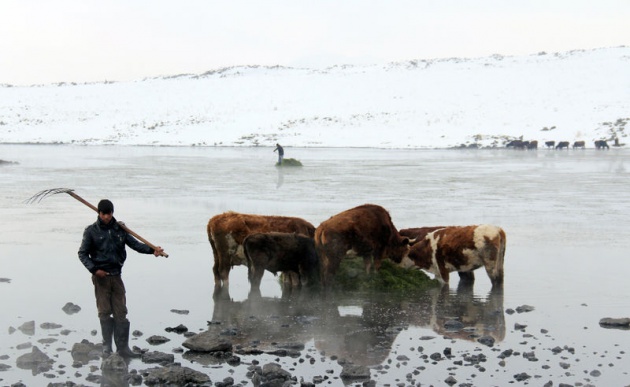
{"x":38,"y":197}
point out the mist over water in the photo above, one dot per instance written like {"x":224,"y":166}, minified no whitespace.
{"x":565,"y":214}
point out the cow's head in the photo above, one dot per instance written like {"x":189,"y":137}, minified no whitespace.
{"x":399,"y":248}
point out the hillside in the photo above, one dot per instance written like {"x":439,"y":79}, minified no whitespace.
{"x":577,"y":95}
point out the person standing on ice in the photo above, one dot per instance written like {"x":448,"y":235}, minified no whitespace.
{"x":103,"y":253}
{"x":280,"y":153}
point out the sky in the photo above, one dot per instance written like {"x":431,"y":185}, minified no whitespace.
{"x":120,"y":40}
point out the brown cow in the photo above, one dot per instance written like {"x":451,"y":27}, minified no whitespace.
{"x":365,"y":231}
{"x":281,"y":252}
{"x":462,"y":249}
{"x":227,"y":231}
{"x":562,"y":144}
{"x":579,"y":144}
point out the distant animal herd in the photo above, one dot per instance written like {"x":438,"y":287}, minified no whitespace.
{"x":520,"y":144}
{"x":311,"y":256}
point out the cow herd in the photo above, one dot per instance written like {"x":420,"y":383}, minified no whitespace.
{"x":520,"y":144}
{"x":310,"y":256}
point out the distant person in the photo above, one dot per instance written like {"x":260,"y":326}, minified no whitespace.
{"x":280,"y":150}
{"x":103,"y":253}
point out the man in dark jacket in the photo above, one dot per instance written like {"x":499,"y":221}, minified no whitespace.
{"x":280,"y":150}
{"x":103,"y":253}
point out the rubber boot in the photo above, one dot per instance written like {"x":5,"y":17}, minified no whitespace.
{"x":121,"y":337}
{"x":107,"y":330}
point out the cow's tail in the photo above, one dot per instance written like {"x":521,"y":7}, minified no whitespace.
{"x":497,"y":271}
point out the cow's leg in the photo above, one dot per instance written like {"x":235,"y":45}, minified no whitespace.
{"x":466,"y":277}
{"x":255,"y":274}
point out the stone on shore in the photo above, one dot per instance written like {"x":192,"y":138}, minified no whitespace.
{"x":207,"y":342}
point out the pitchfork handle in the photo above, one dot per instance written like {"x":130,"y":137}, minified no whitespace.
{"x":121,"y":224}
{"x":146,"y":242}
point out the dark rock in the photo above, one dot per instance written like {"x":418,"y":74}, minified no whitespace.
{"x":4,"y":367}
{"x":453,"y":325}
{"x":71,"y":308}
{"x":7,"y":280}
{"x":178,"y":329}
{"x":450,"y":380}
{"x":619,"y":323}
{"x":519,"y":327}
{"x":174,"y":375}
{"x":114,"y":363}
{"x":137,"y":333}
{"x":157,"y":340}
{"x":23,"y":346}
{"x":486,"y":340}
{"x":158,"y":357}
{"x":524,"y":309}
{"x":354,"y":372}
{"x":36,"y":361}
{"x":178,"y":311}
{"x":207,"y":342}
{"x":521,"y":377}
{"x":48,"y":325}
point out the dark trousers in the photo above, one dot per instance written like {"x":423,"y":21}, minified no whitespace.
{"x":110,"y":297}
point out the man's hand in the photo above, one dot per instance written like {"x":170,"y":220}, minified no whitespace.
{"x":158,"y":251}
{"x":101,"y":273}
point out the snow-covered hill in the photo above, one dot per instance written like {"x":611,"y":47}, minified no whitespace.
{"x":577,"y":95}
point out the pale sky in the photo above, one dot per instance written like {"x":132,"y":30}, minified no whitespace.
{"x":45,"y":41}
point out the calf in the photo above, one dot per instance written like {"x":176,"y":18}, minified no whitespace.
{"x":579,"y":144}
{"x":462,"y":249}
{"x":562,"y":144}
{"x":365,"y":231}
{"x":281,"y":252}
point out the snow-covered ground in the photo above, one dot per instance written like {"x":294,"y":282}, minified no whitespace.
{"x":440,"y":103}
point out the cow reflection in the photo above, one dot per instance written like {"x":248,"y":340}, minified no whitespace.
{"x":476,"y":316}
{"x":352,"y":327}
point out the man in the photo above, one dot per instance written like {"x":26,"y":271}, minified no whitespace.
{"x":103,"y":253}
{"x":280,"y":153}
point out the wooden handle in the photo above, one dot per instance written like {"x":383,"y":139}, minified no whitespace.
{"x":121,"y":224}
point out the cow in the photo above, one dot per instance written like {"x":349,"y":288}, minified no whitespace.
{"x":532,"y":145}
{"x":281,"y":252}
{"x":579,"y":144}
{"x":562,"y":144}
{"x":227,"y":231}
{"x":462,"y":249}
{"x":517,"y":144}
{"x":550,"y":144}
{"x":365,"y":231}
{"x":601,"y":144}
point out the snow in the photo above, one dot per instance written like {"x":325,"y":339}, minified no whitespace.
{"x":439,"y":103}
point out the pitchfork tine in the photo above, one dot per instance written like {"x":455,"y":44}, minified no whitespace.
{"x":38,"y":197}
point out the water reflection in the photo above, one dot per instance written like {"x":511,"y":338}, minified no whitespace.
{"x":360,"y":328}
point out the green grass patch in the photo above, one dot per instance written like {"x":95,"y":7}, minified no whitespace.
{"x":289,"y":163}
{"x":351,"y":276}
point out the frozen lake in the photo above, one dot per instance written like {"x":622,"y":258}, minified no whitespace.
{"x":565,"y":213}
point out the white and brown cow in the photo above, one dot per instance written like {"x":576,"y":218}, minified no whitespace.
{"x":459,"y":248}
{"x":227,"y":231}
{"x":365,"y":231}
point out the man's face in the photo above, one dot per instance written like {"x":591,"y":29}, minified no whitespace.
{"x":105,"y":218}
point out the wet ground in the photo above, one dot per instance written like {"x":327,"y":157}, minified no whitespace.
{"x":565,"y":214}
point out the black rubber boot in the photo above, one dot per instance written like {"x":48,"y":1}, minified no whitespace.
{"x":107,"y":330}
{"x":121,"y":337}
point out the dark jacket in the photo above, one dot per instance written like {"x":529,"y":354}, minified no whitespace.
{"x":103,"y":247}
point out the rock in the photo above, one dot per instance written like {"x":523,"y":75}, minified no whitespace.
{"x":524,"y":309}
{"x":271,"y":374}
{"x":7,"y":280}
{"x":70,"y":308}
{"x":453,"y":325}
{"x":158,"y":357}
{"x":85,"y":351}
{"x":174,"y":375}
{"x":521,"y":377}
{"x":114,"y":363}
{"x":207,"y":342}
{"x":486,"y":340}
{"x":157,"y":340}
{"x":354,"y":372}
{"x":619,"y":323}
{"x":177,"y":311}
{"x":28,"y":328}
{"x":178,"y":329}
{"x":48,"y":325}
{"x":450,"y":380}
{"x":4,"y":367}
{"x":36,"y":361}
